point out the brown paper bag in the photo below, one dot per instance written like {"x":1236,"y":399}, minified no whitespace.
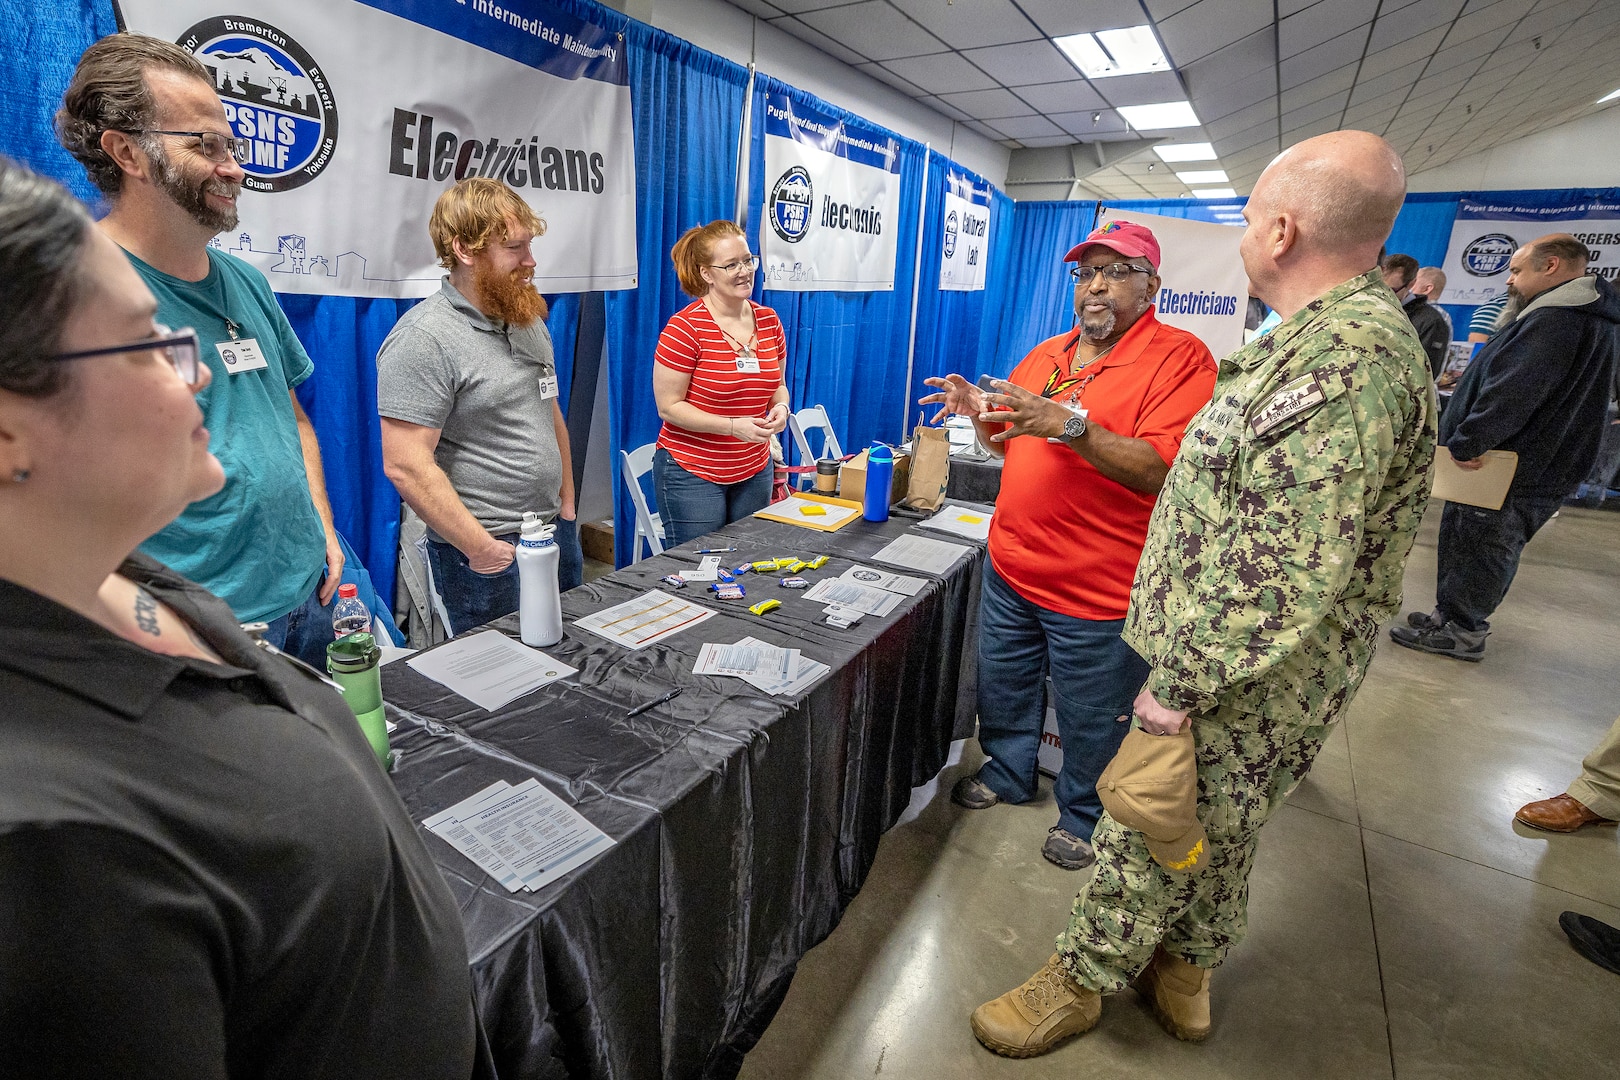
{"x":930,"y":468}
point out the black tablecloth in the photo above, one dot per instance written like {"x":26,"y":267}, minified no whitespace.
{"x":743,"y":823}
{"x":972,"y":480}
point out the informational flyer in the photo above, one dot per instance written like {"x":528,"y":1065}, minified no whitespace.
{"x":488,"y":668}
{"x":650,"y":617}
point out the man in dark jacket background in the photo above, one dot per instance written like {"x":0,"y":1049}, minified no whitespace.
{"x":1402,"y":275}
{"x":1540,"y":388}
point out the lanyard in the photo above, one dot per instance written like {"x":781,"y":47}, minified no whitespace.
{"x":1059,"y":381}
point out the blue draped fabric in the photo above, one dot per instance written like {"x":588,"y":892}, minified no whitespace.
{"x":847,"y":350}
{"x":39,"y":44}
{"x":688,"y":107}
{"x":1039,"y":299}
{"x":956,"y":331}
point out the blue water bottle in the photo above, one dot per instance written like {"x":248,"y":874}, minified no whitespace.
{"x":879,"y":481}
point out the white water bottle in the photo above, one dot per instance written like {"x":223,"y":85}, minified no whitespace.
{"x":539,"y":605}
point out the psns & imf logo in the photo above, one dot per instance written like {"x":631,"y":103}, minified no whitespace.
{"x":951,"y":229}
{"x":791,"y":199}
{"x":1489,"y":255}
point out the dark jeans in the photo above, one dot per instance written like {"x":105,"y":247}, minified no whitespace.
{"x":1095,"y":677}
{"x":472,"y":599}
{"x":1479,"y":554}
{"x":691,"y":506}
{"x":306,"y":630}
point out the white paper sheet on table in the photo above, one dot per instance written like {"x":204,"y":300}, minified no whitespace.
{"x":961,"y":520}
{"x":886,"y":580}
{"x":650,"y":617}
{"x":921,"y":553}
{"x":488,"y":668}
{"x":746,"y":660}
{"x":853,"y":594}
{"x":447,"y":825}
{"x":536,"y":834}
{"x":796,"y":683}
{"x":707,"y":570}
{"x":833,"y":514}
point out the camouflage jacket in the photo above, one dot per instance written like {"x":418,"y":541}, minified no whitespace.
{"x":1277,"y":545}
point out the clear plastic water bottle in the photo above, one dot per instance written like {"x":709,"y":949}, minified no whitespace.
{"x":349,"y":615}
{"x":539,"y":605}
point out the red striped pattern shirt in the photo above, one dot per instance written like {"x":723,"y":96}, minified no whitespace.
{"x":693,"y":343}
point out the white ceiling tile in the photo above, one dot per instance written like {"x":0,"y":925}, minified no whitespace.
{"x":1322,"y":22}
{"x":811,"y":36}
{"x":1374,"y":120}
{"x":793,"y":7}
{"x":1468,"y":55}
{"x":1286,"y":8}
{"x":1328,"y":56}
{"x":984,"y":129}
{"x":1330,"y":108}
{"x":1080,"y":124}
{"x":1236,"y":62}
{"x":1208,"y":25}
{"x":1495,"y":20}
{"x":758,"y":7}
{"x":1071,"y":96}
{"x":1212,"y":105}
{"x":1259,"y":113}
{"x":945,"y":108}
{"x":1144,"y":89}
{"x":989,"y":104}
{"x":1398,"y":56}
{"x":1055,"y":140}
{"x":875,"y":29}
{"x":1059,"y":17}
{"x":942,"y":73}
{"x":889,"y":78}
{"x":1333,"y":83}
{"x":1309,"y":131}
{"x":970,"y":25}
{"x":1413,"y":19}
{"x":1022,"y":127}
{"x":1023,"y":64}
{"x":1163,"y":9}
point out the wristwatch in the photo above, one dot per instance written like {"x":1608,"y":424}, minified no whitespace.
{"x":1075,"y":425}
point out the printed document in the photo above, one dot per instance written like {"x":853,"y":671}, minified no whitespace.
{"x":489,"y":669}
{"x":961,"y":520}
{"x":921,"y":553}
{"x":650,"y":617}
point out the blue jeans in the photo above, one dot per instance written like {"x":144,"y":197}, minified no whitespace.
{"x":472,"y":599}
{"x":691,"y":506}
{"x":1479,"y":555}
{"x":306,"y":630}
{"x":1095,"y":677}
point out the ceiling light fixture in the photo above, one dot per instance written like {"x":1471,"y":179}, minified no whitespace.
{"x":1164,"y":114}
{"x":1610,"y":96}
{"x":1131,"y":50}
{"x":1215,"y":193}
{"x":1206,"y":176}
{"x":1187,"y":151}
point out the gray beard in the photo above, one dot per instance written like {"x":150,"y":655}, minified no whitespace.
{"x":192,"y":198}
{"x":1098,"y":328}
{"x":1515,"y":305}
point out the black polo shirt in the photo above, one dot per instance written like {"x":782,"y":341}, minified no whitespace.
{"x":203,"y":870}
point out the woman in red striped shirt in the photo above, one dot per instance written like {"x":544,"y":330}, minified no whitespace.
{"x":717,"y":378}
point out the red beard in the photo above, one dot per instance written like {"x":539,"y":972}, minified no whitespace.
{"x":511,"y":298}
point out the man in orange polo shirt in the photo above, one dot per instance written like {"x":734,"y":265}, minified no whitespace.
{"x":1089,"y":423}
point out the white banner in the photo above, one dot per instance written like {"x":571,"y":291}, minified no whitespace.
{"x":965,"y":241}
{"x":427,"y":92}
{"x":832,"y":202}
{"x":1486,"y":234}
{"x":1203,"y":287}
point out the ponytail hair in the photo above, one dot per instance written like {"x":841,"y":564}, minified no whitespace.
{"x":694,"y":250}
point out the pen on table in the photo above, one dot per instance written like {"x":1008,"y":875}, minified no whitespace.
{"x":714,"y":551}
{"x":659,"y":700}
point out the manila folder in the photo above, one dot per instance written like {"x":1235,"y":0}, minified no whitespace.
{"x":1487,"y":486}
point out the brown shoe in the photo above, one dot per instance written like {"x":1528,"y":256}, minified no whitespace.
{"x":1561,"y":813}
{"x":1034,"y":1018}
{"x":1179,"y":994}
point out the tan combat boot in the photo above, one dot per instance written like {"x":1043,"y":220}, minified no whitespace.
{"x":1179,"y":993}
{"x":1034,"y":1018}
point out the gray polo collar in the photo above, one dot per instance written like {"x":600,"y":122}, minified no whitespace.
{"x":465,"y":306}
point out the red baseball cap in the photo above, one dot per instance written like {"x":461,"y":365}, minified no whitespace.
{"x":1126,"y":237}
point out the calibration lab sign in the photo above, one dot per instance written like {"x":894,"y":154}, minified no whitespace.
{"x":1486,"y":234}
{"x":832,"y":201}
{"x":965,"y":236}
{"x":355,"y":115}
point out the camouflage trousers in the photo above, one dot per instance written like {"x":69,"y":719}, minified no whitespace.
{"x":1247,"y":767}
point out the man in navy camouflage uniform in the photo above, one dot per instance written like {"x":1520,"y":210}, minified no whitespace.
{"x":1275,"y":553}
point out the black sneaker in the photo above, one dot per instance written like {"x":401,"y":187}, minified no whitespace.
{"x":1424,"y":620}
{"x":1063,"y":848}
{"x":1447,"y":640}
{"x":971,"y":793}
{"x":1597,"y":941}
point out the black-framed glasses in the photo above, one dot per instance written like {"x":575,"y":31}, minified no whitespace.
{"x":215,"y":147}
{"x":735,"y":265}
{"x":1115,"y":272}
{"x":178,"y":347}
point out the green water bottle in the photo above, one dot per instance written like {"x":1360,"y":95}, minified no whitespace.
{"x":353,"y":661}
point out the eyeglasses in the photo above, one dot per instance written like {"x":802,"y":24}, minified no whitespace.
{"x":215,"y":147}
{"x":179,"y":348}
{"x":1115,"y":272}
{"x":746,"y":265}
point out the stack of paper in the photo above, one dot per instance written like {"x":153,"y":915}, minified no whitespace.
{"x":961,"y":520}
{"x":650,"y":617}
{"x":921,"y":553}
{"x":847,"y":593}
{"x":489,"y":669}
{"x":883,"y":579}
{"x":775,"y":670}
{"x":524,"y":837}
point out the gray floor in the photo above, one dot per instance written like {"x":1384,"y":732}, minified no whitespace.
{"x":1401,"y":925}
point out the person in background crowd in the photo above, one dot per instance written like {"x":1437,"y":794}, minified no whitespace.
{"x":1275,"y":551}
{"x":1593,"y":798}
{"x":142,"y":117}
{"x":1487,"y":319}
{"x":1088,"y":423}
{"x":718,"y":382}
{"x":1430,"y":283}
{"x":203,"y":871}
{"x":472,"y":434}
{"x":1398,"y":272}
{"x":1431,"y":322}
{"x":1541,"y":388}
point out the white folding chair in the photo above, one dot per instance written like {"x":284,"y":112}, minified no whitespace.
{"x":807,"y":420}
{"x":635,"y":464}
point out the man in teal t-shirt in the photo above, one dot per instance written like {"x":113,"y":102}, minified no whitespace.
{"x":164,"y":159}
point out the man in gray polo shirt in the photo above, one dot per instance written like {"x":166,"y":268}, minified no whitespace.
{"x":472,"y":435}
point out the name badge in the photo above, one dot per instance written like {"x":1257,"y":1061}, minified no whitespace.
{"x":748,"y":364}
{"x":548,"y":387}
{"x":241,"y":355}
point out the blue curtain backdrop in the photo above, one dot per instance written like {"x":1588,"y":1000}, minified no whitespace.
{"x":956,"y":331}
{"x":1039,"y":298}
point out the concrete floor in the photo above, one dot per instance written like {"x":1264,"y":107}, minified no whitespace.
{"x":1400,"y":924}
